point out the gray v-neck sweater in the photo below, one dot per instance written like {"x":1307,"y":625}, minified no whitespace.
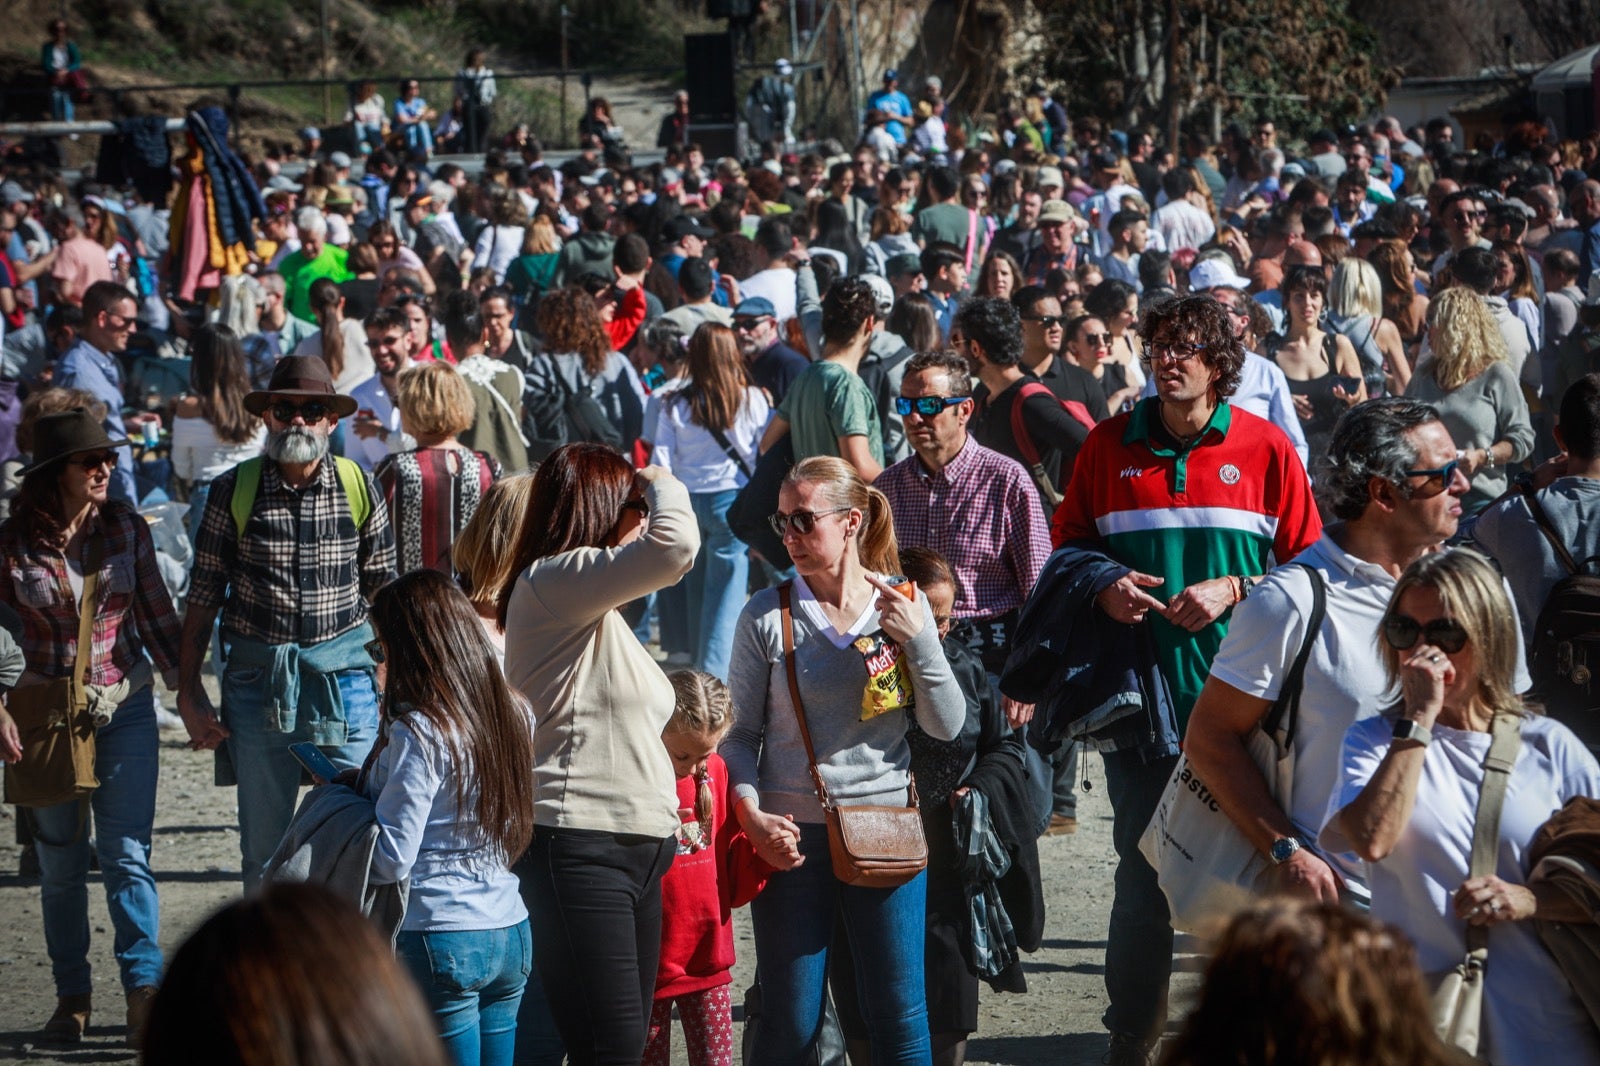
{"x":862,"y":762}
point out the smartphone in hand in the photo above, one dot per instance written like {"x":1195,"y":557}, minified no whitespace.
{"x":316,"y":763}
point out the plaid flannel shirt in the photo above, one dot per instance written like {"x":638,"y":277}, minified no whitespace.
{"x":982,"y":513}
{"x":302,"y":573}
{"x":133,"y":610}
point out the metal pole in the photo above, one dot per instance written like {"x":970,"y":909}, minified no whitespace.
{"x":327,"y":90}
{"x":565,"y":14}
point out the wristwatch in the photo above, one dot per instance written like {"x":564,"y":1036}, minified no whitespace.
{"x":1406,"y":729}
{"x":1283,"y":849}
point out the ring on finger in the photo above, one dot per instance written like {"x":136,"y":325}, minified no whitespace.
{"x":1433,"y":658}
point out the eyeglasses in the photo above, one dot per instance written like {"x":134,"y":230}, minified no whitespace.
{"x":1446,"y":475}
{"x":1445,"y":634}
{"x":1047,"y":321}
{"x":926,"y":406}
{"x":1177,"y":354}
{"x":311,"y":412}
{"x":94,"y":462}
{"x":802,"y":522}
{"x":374,"y":649}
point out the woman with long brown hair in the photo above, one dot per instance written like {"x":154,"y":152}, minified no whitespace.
{"x":708,"y":437}
{"x":449,"y":778}
{"x":211,"y":430}
{"x":579,"y":350}
{"x":597,"y":535}
{"x":864,"y":655}
{"x":340,"y":341}
{"x":1402,"y":304}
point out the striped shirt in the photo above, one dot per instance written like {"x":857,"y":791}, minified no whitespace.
{"x":302,"y":573}
{"x":432,"y":494}
{"x":133,"y":611}
{"x":982,"y":513}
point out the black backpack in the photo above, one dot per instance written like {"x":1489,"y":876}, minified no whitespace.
{"x":1565,"y":654}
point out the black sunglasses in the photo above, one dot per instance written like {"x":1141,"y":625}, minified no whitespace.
{"x":1047,"y":321}
{"x":311,"y":412}
{"x":926,"y":406}
{"x":96,"y":460}
{"x":802,"y":522}
{"x":374,"y":649}
{"x":1443,"y":633}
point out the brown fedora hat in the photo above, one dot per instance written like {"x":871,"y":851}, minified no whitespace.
{"x":66,"y":433}
{"x":300,"y":377}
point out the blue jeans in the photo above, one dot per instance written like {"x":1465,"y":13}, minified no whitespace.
{"x":717,"y":583}
{"x":124,"y":810}
{"x":1139,"y":942}
{"x":269,"y":777}
{"x":473,"y":980}
{"x":794,"y":919}
{"x":61,"y":109}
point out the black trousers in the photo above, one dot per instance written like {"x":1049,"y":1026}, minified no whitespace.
{"x":594,"y":902}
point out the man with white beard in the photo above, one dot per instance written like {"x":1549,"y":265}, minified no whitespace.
{"x":291,"y":549}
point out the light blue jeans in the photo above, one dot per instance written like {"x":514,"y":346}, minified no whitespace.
{"x":794,"y":920}
{"x":717,"y":583}
{"x":269,"y":777}
{"x":473,"y":980}
{"x":124,"y":810}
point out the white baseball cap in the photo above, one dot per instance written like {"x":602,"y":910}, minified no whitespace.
{"x":1215,"y":273}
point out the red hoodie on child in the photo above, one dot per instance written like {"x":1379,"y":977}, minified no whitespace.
{"x":713,"y":873}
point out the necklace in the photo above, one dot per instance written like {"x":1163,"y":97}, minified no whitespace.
{"x":1183,"y":438}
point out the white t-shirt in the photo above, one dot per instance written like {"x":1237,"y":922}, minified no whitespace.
{"x":776,"y":284}
{"x":693,"y":454}
{"x":198,"y":454}
{"x":1183,"y":225}
{"x":1344,"y":681}
{"x":358,"y":364}
{"x":1531,"y":1016}
{"x":496,"y":248}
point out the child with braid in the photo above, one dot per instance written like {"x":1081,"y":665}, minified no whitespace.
{"x":715,"y":870}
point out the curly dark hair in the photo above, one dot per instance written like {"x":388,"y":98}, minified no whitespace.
{"x":1198,"y":319}
{"x":995,"y":326}
{"x":570,"y":322}
{"x":850,"y":302}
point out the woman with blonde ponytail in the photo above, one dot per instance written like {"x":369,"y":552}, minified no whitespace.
{"x":865,"y":651}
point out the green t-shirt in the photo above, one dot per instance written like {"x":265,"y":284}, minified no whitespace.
{"x":299,"y":272}
{"x":826,"y":402}
{"x":946,"y":222}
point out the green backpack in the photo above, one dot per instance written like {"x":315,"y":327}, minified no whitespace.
{"x":351,"y":477}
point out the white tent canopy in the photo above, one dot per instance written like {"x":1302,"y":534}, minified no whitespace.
{"x":1572,"y":71}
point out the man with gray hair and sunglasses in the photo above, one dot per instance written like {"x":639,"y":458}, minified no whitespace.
{"x":1393,"y":488}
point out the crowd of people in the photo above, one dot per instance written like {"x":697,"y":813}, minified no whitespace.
{"x":598,"y":537}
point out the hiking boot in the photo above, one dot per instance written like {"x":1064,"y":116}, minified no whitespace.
{"x":1127,"y":1050}
{"x":1061,"y":825}
{"x":70,"y":1021}
{"x":140,"y":1001}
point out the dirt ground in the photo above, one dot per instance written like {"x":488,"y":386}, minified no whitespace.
{"x":196,"y":859}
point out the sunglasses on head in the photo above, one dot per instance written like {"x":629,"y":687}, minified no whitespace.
{"x":926,"y":406}
{"x":96,"y":460}
{"x":311,"y":412}
{"x":1445,"y":634}
{"x":802,"y":522}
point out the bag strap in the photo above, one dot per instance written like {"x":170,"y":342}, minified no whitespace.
{"x":786,"y":612}
{"x":1541,"y":518}
{"x":561,"y":382}
{"x":247,"y":483}
{"x":1285,"y":709}
{"x":86,"y":608}
{"x":1506,"y":731}
{"x":972,"y":237}
{"x":722,"y":441}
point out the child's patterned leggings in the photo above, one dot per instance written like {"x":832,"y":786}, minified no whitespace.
{"x":707,"y":1028}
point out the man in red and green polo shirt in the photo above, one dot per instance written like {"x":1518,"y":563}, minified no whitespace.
{"x":1200,"y":499}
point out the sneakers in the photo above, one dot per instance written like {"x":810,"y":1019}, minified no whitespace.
{"x":1061,"y":825}
{"x":140,"y":1001}
{"x":70,"y":1021}
{"x":1127,"y":1050}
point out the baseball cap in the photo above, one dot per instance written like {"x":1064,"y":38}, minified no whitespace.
{"x":310,"y":133}
{"x":1324,"y":136}
{"x":686,"y":226}
{"x":1056,"y":211}
{"x":1002,"y":167}
{"x":891,"y":75}
{"x":1215,"y":273}
{"x":670,"y":176}
{"x":12,"y":193}
{"x":1050,"y":177}
{"x":882,"y":292}
{"x":905,"y":263}
{"x":755,"y":307}
{"x":1105,"y":161}
{"x":420,"y":198}
{"x":280,"y":183}
{"x":339,"y":159}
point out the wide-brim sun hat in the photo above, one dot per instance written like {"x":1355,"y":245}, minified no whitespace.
{"x":300,"y":377}
{"x":61,"y":435}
